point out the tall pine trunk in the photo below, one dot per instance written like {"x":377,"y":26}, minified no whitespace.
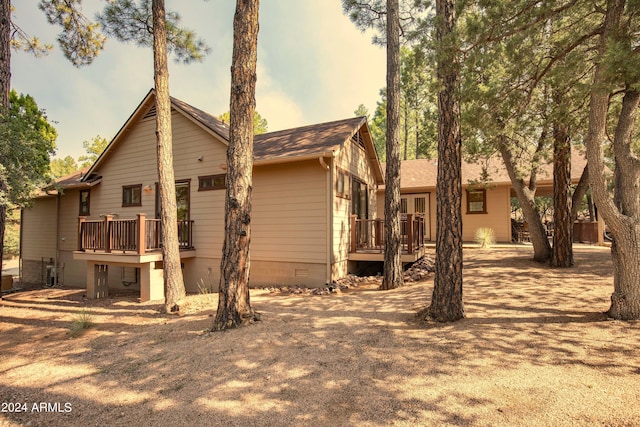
{"x":234,"y":308}
{"x":5,"y":88}
{"x":392,"y":277}
{"x":622,"y":214}
{"x":446,"y":301}
{"x":562,"y":251}
{"x":174,"y":283}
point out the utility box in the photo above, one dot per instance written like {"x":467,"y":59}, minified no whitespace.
{"x":7,"y":282}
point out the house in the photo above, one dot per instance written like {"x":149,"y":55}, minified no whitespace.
{"x":317,"y":207}
{"x":486,"y":201}
{"x":99,"y":228}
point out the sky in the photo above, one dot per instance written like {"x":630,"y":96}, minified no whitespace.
{"x":314,"y":66}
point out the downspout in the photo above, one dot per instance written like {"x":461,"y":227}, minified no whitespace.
{"x":329,"y":232}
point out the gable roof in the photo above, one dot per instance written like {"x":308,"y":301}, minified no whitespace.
{"x":423,"y":173}
{"x":313,"y":141}
{"x":212,"y":123}
{"x":75,"y":180}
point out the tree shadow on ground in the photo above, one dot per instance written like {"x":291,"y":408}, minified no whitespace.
{"x":358,"y":358}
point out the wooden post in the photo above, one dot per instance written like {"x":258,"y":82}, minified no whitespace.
{"x":409,"y":233}
{"x":107,"y":233}
{"x":379,"y":231}
{"x":81,"y":220}
{"x":353,"y":233}
{"x":142,"y":230}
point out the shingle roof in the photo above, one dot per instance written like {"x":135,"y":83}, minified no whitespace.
{"x":285,"y":145}
{"x":422,"y":173}
{"x":206,"y":119}
{"x":304,"y":141}
{"x":74,"y":180}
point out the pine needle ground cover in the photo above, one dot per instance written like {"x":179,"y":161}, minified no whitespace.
{"x":534,"y":349}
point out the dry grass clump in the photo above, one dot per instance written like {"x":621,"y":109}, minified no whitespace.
{"x":485,"y":237}
{"x":81,"y":322}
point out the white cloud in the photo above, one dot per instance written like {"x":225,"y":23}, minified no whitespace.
{"x":314,"y":66}
{"x":280,"y":110}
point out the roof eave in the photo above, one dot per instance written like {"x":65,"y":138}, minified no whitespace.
{"x":291,"y":159}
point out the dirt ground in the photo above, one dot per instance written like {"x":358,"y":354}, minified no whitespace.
{"x":534,"y":349}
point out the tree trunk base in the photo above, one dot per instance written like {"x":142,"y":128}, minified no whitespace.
{"x":432,"y":314}
{"x":624,"y":307}
{"x":174,"y":308}
{"x":245,"y":319}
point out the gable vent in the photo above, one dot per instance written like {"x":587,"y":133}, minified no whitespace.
{"x":152,"y":112}
{"x":357,"y":138}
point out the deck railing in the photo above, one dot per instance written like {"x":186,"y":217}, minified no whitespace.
{"x":367,"y":235}
{"x":138,"y":235}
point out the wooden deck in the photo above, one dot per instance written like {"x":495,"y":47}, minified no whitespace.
{"x":367,"y":238}
{"x":128,"y":236}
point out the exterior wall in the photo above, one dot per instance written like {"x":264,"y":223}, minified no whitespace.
{"x":288,"y":229}
{"x":498,"y":216}
{"x":289,"y":224}
{"x":38,"y":238}
{"x":133,"y":162}
{"x":353,"y":159}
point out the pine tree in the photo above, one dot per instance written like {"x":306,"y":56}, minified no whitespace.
{"x":446,"y":301}
{"x":234,"y":307}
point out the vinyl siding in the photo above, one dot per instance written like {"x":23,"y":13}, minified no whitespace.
{"x":353,"y":159}
{"x":498,"y":216}
{"x":39,"y":230}
{"x":133,"y":161}
{"x":289,"y":219}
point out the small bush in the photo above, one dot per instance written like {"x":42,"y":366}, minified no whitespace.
{"x":80,"y":322}
{"x":485,"y":237}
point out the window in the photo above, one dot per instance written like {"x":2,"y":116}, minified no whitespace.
{"x":212,"y":182}
{"x":342,"y":184}
{"x":476,"y":201}
{"x":84,"y":202}
{"x":403,"y":205}
{"x":132,"y":195}
{"x":360,"y":199}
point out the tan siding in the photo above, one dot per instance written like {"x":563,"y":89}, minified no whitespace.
{"x":68,"y":222}
{"x":289,"y":213}
{"x":134,"y":162}
{"x":39,"y":230}
{"x":497,"y":217}
{"x":353,"y":159}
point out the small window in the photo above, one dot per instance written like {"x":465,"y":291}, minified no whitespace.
{"x":360,"y":200}
{"x":212,"y":182}
{"x":84,"y":202}
{"x":132,"y":195}
{"x":343,"y":184}
{"x":403,"y":205}
{"x":476,"y":201}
